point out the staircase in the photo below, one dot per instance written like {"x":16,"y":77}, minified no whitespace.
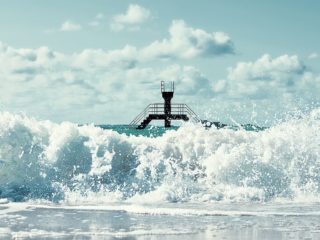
{"x":144,"y":123}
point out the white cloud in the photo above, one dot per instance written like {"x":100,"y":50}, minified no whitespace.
{"x":313,"y":55}
{"x":190,"y":80}
{"x":186,"y":42}
{"x":268,"y":87}
{"x":97,"y":20}
{"x":267,"y":69}
{"x":123,"y":58}
{"x":267,"y":77}
{"x":219,"y":86}
{"x":69,"y":26}
{"x":134,"y":16}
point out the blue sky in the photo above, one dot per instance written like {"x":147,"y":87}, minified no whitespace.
{"x":101,"y":61}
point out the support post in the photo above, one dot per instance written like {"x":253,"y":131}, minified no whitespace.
{"x":167,"y":123}
{"x":167,"y":96}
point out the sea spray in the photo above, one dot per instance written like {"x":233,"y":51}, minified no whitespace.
{"x":70,"y":163}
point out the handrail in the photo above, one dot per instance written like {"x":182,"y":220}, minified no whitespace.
{"x":158,"y":108}
{"x":193,"y":114}
{"x":138,"y":118}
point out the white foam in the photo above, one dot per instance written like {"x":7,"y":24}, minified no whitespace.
{"x":64,"y":162}
{"x":37,"y":233}
{"x":275,"y":209}
{"x":3,"y":200}
{"x":14,"y":208}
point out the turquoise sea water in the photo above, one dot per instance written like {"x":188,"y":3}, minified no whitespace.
{"x":157,"y":131}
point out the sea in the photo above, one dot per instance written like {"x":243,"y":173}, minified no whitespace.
{"x":71,"y":181}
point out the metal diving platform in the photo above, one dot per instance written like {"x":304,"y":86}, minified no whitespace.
{"x":166,"y":111}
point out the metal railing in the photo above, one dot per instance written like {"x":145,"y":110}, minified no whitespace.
{"x":167,"y":88}
{"x":158,"y":108}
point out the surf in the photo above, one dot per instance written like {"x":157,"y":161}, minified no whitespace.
{"x":42,"y":160}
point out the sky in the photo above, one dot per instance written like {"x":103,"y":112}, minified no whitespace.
{"x":101,"y":61}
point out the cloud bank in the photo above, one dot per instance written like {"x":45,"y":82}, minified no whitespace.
{"x":284,"y":79}
{"x":119,"y":82}
{"x":92,"y":81}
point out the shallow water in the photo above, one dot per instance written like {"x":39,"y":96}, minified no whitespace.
{"x":161,"y":221}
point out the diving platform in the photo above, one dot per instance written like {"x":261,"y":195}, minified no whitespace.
{"x":168,"y":111}
{"x":165,"y":111}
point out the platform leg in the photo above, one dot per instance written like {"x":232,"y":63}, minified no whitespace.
{"x":167,"y":123}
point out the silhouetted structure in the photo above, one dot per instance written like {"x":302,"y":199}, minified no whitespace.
{"x":165,"y":111}
{"x":168,"y":111}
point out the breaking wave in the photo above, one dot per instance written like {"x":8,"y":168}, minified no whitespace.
{"x":70,"y":163}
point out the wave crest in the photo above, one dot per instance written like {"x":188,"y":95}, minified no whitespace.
{"x":66,"y":162}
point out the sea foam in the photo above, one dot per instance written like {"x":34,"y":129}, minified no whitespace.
{"x":41,"y":160}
